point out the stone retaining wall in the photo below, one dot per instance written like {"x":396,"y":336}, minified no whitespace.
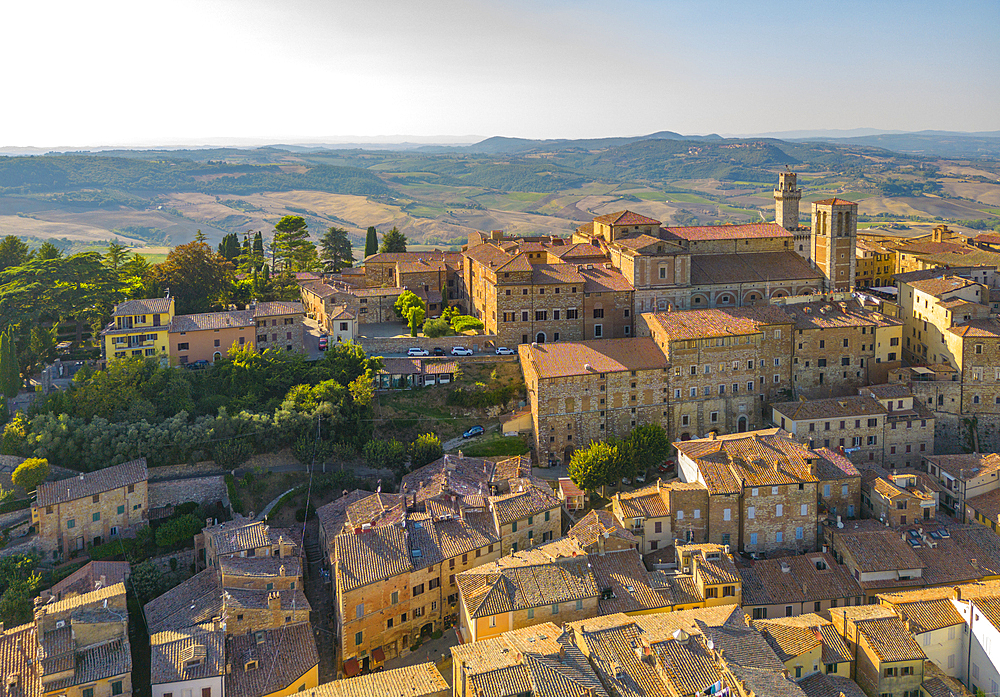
{"x":381,"y":345}
{"x":206,"y":490}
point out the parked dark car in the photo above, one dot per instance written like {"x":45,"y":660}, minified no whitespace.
{"x":474,"y":431}
{"x":438,"y":351}
{"x":198,"y":365}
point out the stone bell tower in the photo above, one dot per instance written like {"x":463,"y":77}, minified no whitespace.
{"x":834,"y":241}
{"x":786,"y":212}
{"x":786,"y":201}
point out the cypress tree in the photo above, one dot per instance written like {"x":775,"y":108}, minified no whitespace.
{"x":371,"y":241}
{"x":10,"y":373}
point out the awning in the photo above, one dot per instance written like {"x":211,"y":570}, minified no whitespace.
{"x":351,"y":667}
{"x":378,"y":655}
{"x":922,"y":371}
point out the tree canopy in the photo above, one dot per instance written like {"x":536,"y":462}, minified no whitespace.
{"x":291,"y":244}
{"x":335,"y":249}
{"x":393,"y":241}
{"x":198,"y":278}
{"x":30,"y":473}
{"x":594,"y":466}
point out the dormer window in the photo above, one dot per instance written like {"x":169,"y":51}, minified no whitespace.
{"x":250,"y":665}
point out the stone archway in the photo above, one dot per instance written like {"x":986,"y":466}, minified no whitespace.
{"x":540,"y":338}
{"x":217,"y":357}
{"x":741,"y":424}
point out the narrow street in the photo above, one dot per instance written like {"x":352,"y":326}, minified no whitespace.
{"x":320,"y":599}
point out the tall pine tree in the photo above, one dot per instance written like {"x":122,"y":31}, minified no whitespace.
{"x":371,"y":242}
{"x":335,"y":249}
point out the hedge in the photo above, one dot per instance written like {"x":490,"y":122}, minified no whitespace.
{"x":15,"y":505}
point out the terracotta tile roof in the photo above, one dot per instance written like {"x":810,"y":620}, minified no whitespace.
{"x":604,"y":280}
{"x":491,"y":589}
{"x":109,"y":593}
{"x":834,"y":202}
{"x":274,"y":308}
{"x":257,"y":599}
{"x":566,"y":485}
{"x":987,"y":504}
{"x":648,"y":245}
{"x":880,"y":550}
{"x":195,"y":601}
{"x":794,"y":636}
{"x":555,"y":274}
{"x":622,"y":573}
{"x":827,"y":315}
{"x":832,"y":465}
{"x":682,"y":588}
{"x":833,"y":408}
{"x":233,"y":319}
{"x":597,"y":524}
{"x":928,"y":615}
{"x":333,"y":516}
{"x":582,"y":250}
{"x":243,"y":534}
{"x":823,"y":685}
{"x":565,"y":358}
{"x":527,"y":500}
{"x":18,"y":653}
{"x":92,"y":576}
{"x":187,"y":654}
{"x":718,"y":322}
{"x":283,"y":656}
{"x":91,"y":483}
{"x":756,"y":458}
{"x":728,"y":232}
{"x":888,"y":638}
{"x":539,"y":660}
{"x":890,"y":391}
{"x":423,"y":680}
{"x":757,"y":267}
{"x":149,"y":306}
{"x":764,"y":682}
{"x":987,"y":328}
{"x":647,"y":502}
{"x":396,"y":257}
{"x":625,"y":217}
{"x":98,"y":662}
{"x":939,"y":287}
{"x":371,"y":556}
{"x":967,"y":465}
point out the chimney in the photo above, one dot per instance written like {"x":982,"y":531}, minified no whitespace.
{"x":957,"y":591}
{"x":274,"y":601}
{"x":712,"y":435}
{"x":562,"y":654}
{"x":463,"y":679}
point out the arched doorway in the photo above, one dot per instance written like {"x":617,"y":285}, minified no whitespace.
{"x":216,"y":357}
{"x":540,"y":338}
{"x":427,"y":629}
{"x":741,"y":424}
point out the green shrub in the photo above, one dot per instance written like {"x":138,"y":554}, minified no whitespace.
{"x":178,"y":532}
{"x":483,"y":399}
{"x":234,"y":495}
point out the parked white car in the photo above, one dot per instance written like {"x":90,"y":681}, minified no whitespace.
{"x":461,"y":351}
{"x":504,"y":351}
{"x":417,"y":351}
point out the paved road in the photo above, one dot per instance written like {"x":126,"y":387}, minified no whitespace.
{"x":310,"y":338}
{"x":321,"y":602}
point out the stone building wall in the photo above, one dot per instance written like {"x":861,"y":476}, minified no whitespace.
{"x":832,"y":361}
{"x":69,"y":526}
{"x":766,"y":522}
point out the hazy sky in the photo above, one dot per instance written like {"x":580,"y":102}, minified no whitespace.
{"x":106,"y":72}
